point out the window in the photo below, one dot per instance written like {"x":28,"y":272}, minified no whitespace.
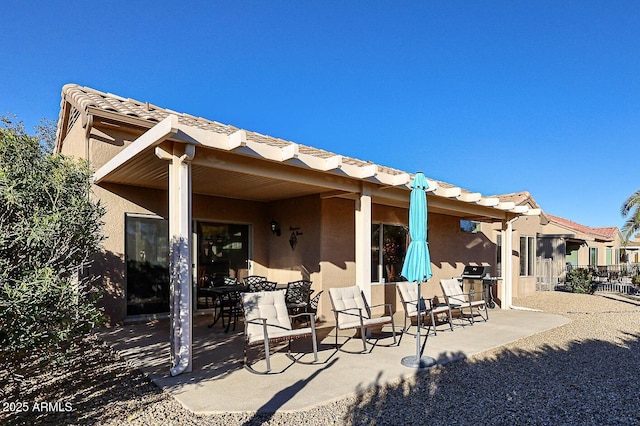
{"x":622,"y":255}
{"x":527,"y":256}
{"x":609,"y":256}
{"x":388,"y":247}
{"x":469,"y":226}
{"x":147,"y":255}
{"x":223,"y":250}
{"x":593,"y":256}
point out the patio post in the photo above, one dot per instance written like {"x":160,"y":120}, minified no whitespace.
{"x":506,"y":293}
{"x":363,"y":241}
{"x":180,"y":269}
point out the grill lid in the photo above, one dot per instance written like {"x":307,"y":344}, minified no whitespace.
{"x":471,"y":271}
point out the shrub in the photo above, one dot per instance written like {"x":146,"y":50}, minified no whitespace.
{"x":580,"y":280}
{"x":49,"y":229}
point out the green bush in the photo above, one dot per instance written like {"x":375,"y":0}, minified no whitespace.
{"x":580,"y":280}
{"x":49,"y":230}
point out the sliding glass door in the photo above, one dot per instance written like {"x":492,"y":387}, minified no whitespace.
{"x":147,"y":257}
{"x":223,"y":251}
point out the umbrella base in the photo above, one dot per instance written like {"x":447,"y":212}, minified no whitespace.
{"x":418,"y":362}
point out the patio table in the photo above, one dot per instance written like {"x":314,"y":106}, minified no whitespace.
{"x":226,"y":296}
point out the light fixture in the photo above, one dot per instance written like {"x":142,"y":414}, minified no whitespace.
{"x":275,"y":228}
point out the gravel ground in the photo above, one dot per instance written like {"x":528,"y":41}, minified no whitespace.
{"x":585,"y":373}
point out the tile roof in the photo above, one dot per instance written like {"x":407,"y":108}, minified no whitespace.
{"x":84,"y":97}
{"x":608,"y":233}
{"x":520,"y":198}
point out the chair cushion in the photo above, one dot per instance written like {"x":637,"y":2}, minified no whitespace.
{"x":269,"y":305}
{"x":349,"y":299}
{"x":453,"y":292}
{"x":439,"y":309}
{"x":477,"y":303}
{"x":409,"y":295}
{"x":354,"y":322}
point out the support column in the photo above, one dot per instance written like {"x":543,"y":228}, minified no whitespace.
{"x":506,"y":293}
{"x":180,"y":241}
{"x":363,"y":241}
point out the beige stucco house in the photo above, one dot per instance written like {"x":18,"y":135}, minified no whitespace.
{"x":585,"y":246}
{"x":522,"y":254}
{"x":186,"y":196}
{"x":545,"y":244}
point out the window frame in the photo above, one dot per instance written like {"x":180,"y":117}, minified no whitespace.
{"x":593,"y":256}
{"x":527,"y":259}
{"x":378,"y":266}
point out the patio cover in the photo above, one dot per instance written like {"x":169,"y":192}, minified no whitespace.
{"x":204,"y":153}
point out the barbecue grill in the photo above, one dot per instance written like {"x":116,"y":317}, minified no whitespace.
{"x":478,"y":280}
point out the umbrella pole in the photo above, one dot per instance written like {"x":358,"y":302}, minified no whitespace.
{"x":418,"y":361}
{"x":419,"y":321}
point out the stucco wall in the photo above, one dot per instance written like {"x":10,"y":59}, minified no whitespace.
{"x":110,"y":267}
{"x":74,"y":143}
{"x":337,"y":248}
{"x":299,"y":220}
{"x":524,"y":226}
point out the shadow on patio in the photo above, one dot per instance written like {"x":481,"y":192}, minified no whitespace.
{"x":218,"y":382}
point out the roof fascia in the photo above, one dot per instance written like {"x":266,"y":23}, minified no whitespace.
{"x":152,"y":137}
{"x":451,"y":198}
{"x":121,"y":118}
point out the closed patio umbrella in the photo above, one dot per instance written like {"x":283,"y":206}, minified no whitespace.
{"x":417,"y":262}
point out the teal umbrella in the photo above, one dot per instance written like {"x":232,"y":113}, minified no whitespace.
{"x":417,"y":262}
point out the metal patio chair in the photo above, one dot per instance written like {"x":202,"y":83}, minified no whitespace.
{"x":409,"y":298}
{"x":352,"y":311}
{"x":252,"y":279}
{"x":266,"y":320}
{"x":262,"y":286}
{"x":298,"y":296}
{"x":459,"y":300}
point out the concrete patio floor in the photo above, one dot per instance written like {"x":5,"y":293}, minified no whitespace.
{"x":219,"y":383}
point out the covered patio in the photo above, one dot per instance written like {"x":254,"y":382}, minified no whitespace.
{"x":155,"y":168}
{"x":219,"y":383}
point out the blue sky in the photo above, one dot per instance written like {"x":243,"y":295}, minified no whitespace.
{"x":492,"y":96}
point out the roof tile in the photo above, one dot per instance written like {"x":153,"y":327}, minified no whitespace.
{"x":607,"y":233}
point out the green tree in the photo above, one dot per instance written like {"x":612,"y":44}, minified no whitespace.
{"x":50,"y":228}
{"x":631,"y":210}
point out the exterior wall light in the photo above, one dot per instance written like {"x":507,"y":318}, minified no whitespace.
{"x":275,"y":228}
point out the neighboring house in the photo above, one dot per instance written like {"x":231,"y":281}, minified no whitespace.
{"x":585,"y":246}
{"x":187,"y":197}
{"x":631,"y":251}
{"x":545,"y":244}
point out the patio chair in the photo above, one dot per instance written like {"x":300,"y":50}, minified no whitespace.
{"x":409,"y":298}
{"x":267,"y":321}
{"x":313,"y":305}
{"x":252,"y":279}
{"x":298,"y":296}
{"x":456,"y":299}
{"x":262,"y":286}
{"x":352,"y":311}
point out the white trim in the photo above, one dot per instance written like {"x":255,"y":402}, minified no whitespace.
{"x":453,"y":192}
{"x":488,"y":201}
{"x":470,"y":197}
{"x":507,"y":205}
{"x":363,"y":241}
{"x":152,"y":137}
